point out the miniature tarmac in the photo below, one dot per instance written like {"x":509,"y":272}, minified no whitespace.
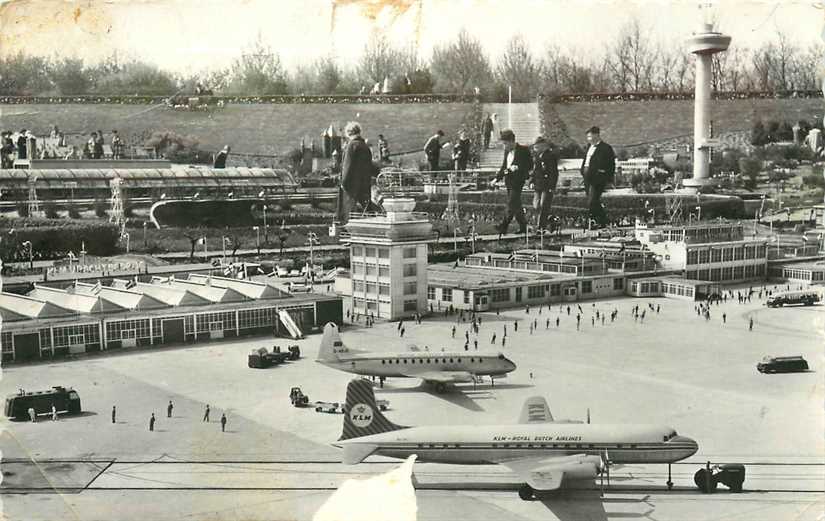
{"x":275,"y":462}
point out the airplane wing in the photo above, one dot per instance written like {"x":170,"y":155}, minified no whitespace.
{"x":441,"y":376}
{"x":546,"y":474}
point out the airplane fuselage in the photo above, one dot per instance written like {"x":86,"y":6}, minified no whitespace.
{"x":481,"y":445}
{"x":396,"y":365}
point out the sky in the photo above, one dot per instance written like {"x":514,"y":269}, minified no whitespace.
{"x":190,"y":36}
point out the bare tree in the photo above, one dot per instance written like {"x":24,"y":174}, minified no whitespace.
{"x":517,"y":68}
{"x":631,"y":59}
{"x":460,"y":65}
{"x":381,"y":60}
{"x":258,"y":71}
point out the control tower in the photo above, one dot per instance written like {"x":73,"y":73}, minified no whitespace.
{"x":388,"y":260}
{"x":704,"y":44}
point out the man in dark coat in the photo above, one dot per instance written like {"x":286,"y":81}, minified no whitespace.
{"x":432,"y":150}
{"x":598,"y":170}
{"x":545,"y":178}
{"x":487,"y":130}
{"x":357,"y":172}
{"x":515,"y":168}
{"x":461,"y":152}
{"x":22,"y":145}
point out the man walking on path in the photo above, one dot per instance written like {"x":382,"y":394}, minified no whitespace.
{"x":487,"y":130}
{"x":169,"y":409}
{"x":114,"y":413}
{"x":206,"y":413}
{"x":515,"y":168}
{"x":223,"y":422}
{"x":598,"y":170}
{"x":432,"y":151}
{"x":152,"y":422}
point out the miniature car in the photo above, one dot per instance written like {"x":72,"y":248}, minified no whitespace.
{"x":732,"y":476}
{"x":782,"y":364}
{"x":382,"y":404}
{"x":298,"y":398}
{"x":329,"y":407}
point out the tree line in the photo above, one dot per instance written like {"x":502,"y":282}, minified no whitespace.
{"x":633,"y":62}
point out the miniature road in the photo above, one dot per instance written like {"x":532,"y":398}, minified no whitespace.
{"x":673,"y":368}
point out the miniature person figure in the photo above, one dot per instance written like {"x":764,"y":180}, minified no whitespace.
{"x":223,"y":422}
{"x":169,"y":409}
{"x":114,"y":413}
{"x":206,"y":413}
{"x":152,"y":422}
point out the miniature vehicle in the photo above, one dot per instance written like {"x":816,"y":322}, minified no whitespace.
{"x":806,"y":298}
{"x":383,"y":404}
{"x":281,"y":272}
{"x":294,"y":273}
{"x":261,"y":358}
{"x":294,"y":352}
{"x":782,"y":364}
{"x":329,"y":407}
{"x":65,"y":400}
{"x":298,"y":398}
{"x":732,"y":476}
{"x":298,"y":287}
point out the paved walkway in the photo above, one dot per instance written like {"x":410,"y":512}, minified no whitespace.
{"x":525,"y":124}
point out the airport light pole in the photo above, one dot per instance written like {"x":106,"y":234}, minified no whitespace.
{"x":257,"y":238}
{"x":144,"y":234}
{"x":312,"y":238}
{"x":29,"y":246}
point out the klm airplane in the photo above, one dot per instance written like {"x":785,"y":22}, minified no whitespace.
{"x":433,"y":367}
{"x":541,"y":451}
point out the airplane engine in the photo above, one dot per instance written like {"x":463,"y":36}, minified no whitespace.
{"x":586,"y":469}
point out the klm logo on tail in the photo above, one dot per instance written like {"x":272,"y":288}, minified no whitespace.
{"x":361,"y":415}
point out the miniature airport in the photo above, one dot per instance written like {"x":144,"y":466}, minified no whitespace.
{"x":655,"y":370}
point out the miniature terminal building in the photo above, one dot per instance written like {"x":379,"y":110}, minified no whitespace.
{"x":50,"y":323}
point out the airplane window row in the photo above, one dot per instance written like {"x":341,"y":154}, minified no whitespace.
{"x":575,"y":446}
{"x":431,"y":360}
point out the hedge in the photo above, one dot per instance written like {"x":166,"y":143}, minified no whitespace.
{"x":221,"y":100}
{"x":53,"y":239}
{"x":648,"y":96}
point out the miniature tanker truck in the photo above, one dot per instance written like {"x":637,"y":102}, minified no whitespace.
{"x":732,"y":476}
{"x":65,"y":400}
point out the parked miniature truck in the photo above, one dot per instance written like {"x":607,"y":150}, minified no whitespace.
{"x":782,"y":364}
{"x":298,"y":398}
{"x":789,"y":298}
{"x":294,"y":352}
{"x":280,"y":357}
{"x":65,"y":400}
{"x":261,"y":358}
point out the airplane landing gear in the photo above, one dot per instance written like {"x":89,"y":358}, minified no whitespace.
{"x":526,"y":492}
{"x":440,"y":387}
{"x":669,"y":479}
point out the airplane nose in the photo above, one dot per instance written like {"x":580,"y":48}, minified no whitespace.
{"x":689,"y":443}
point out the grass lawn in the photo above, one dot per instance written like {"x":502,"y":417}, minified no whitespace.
{"x":253,"y":129}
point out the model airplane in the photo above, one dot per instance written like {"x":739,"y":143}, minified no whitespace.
{"x":541,"y":451}
{"x":438,"y":368}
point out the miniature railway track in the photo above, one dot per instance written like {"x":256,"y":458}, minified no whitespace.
{"x":183,"y":475}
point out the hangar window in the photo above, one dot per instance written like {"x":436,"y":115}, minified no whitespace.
{"x":405,"y":360}
{"x":428,"y":360}
{"x":383,"y":362}
{"x":459,"y":360}
{"x":451,"y":360}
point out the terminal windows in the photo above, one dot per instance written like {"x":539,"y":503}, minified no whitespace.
{"x":383,"y":271}
{"x":704,"y":256}
{"x":371,"y":287}
{"x":357,"y":268}
{"x":500,"y":295}
{"x":738,"y":272}
{"x":430,"y":292}
{"x":587,"y":286}
{"x":371,"y":270}
{"x":383,"y":253}
{"x":535,"y":291}
{"x":692,"y":255}
{"x":383,"y":289}
{"x":618,"y":283}
{"x":466,"y":297}
{"x":716,"y":255}
{"x":750,"y":270}
{"x":369,"y":252}
{"x":410,"y":305}
{"x":410,"y":288}
{"x":358,"y":286}
{"x":409,"y":253}
{"x":410,"y":270}
{"x":715,"y":274}
{"x":446,"y":294}
{"x":727,"y":273}
{"x":738,"y":253}
{"x":555,"y":290}
{"x":357,"y":251}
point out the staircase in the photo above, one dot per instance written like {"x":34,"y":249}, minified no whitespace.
{"x":525,"y":125}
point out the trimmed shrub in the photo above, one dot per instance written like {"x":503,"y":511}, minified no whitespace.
{"x":55,"y":238}
{"x":50,"y":210}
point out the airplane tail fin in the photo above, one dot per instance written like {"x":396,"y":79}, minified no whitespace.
{"x":535,"y":410}
{"x":362,"y":417}
{"x":331,"y":344}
